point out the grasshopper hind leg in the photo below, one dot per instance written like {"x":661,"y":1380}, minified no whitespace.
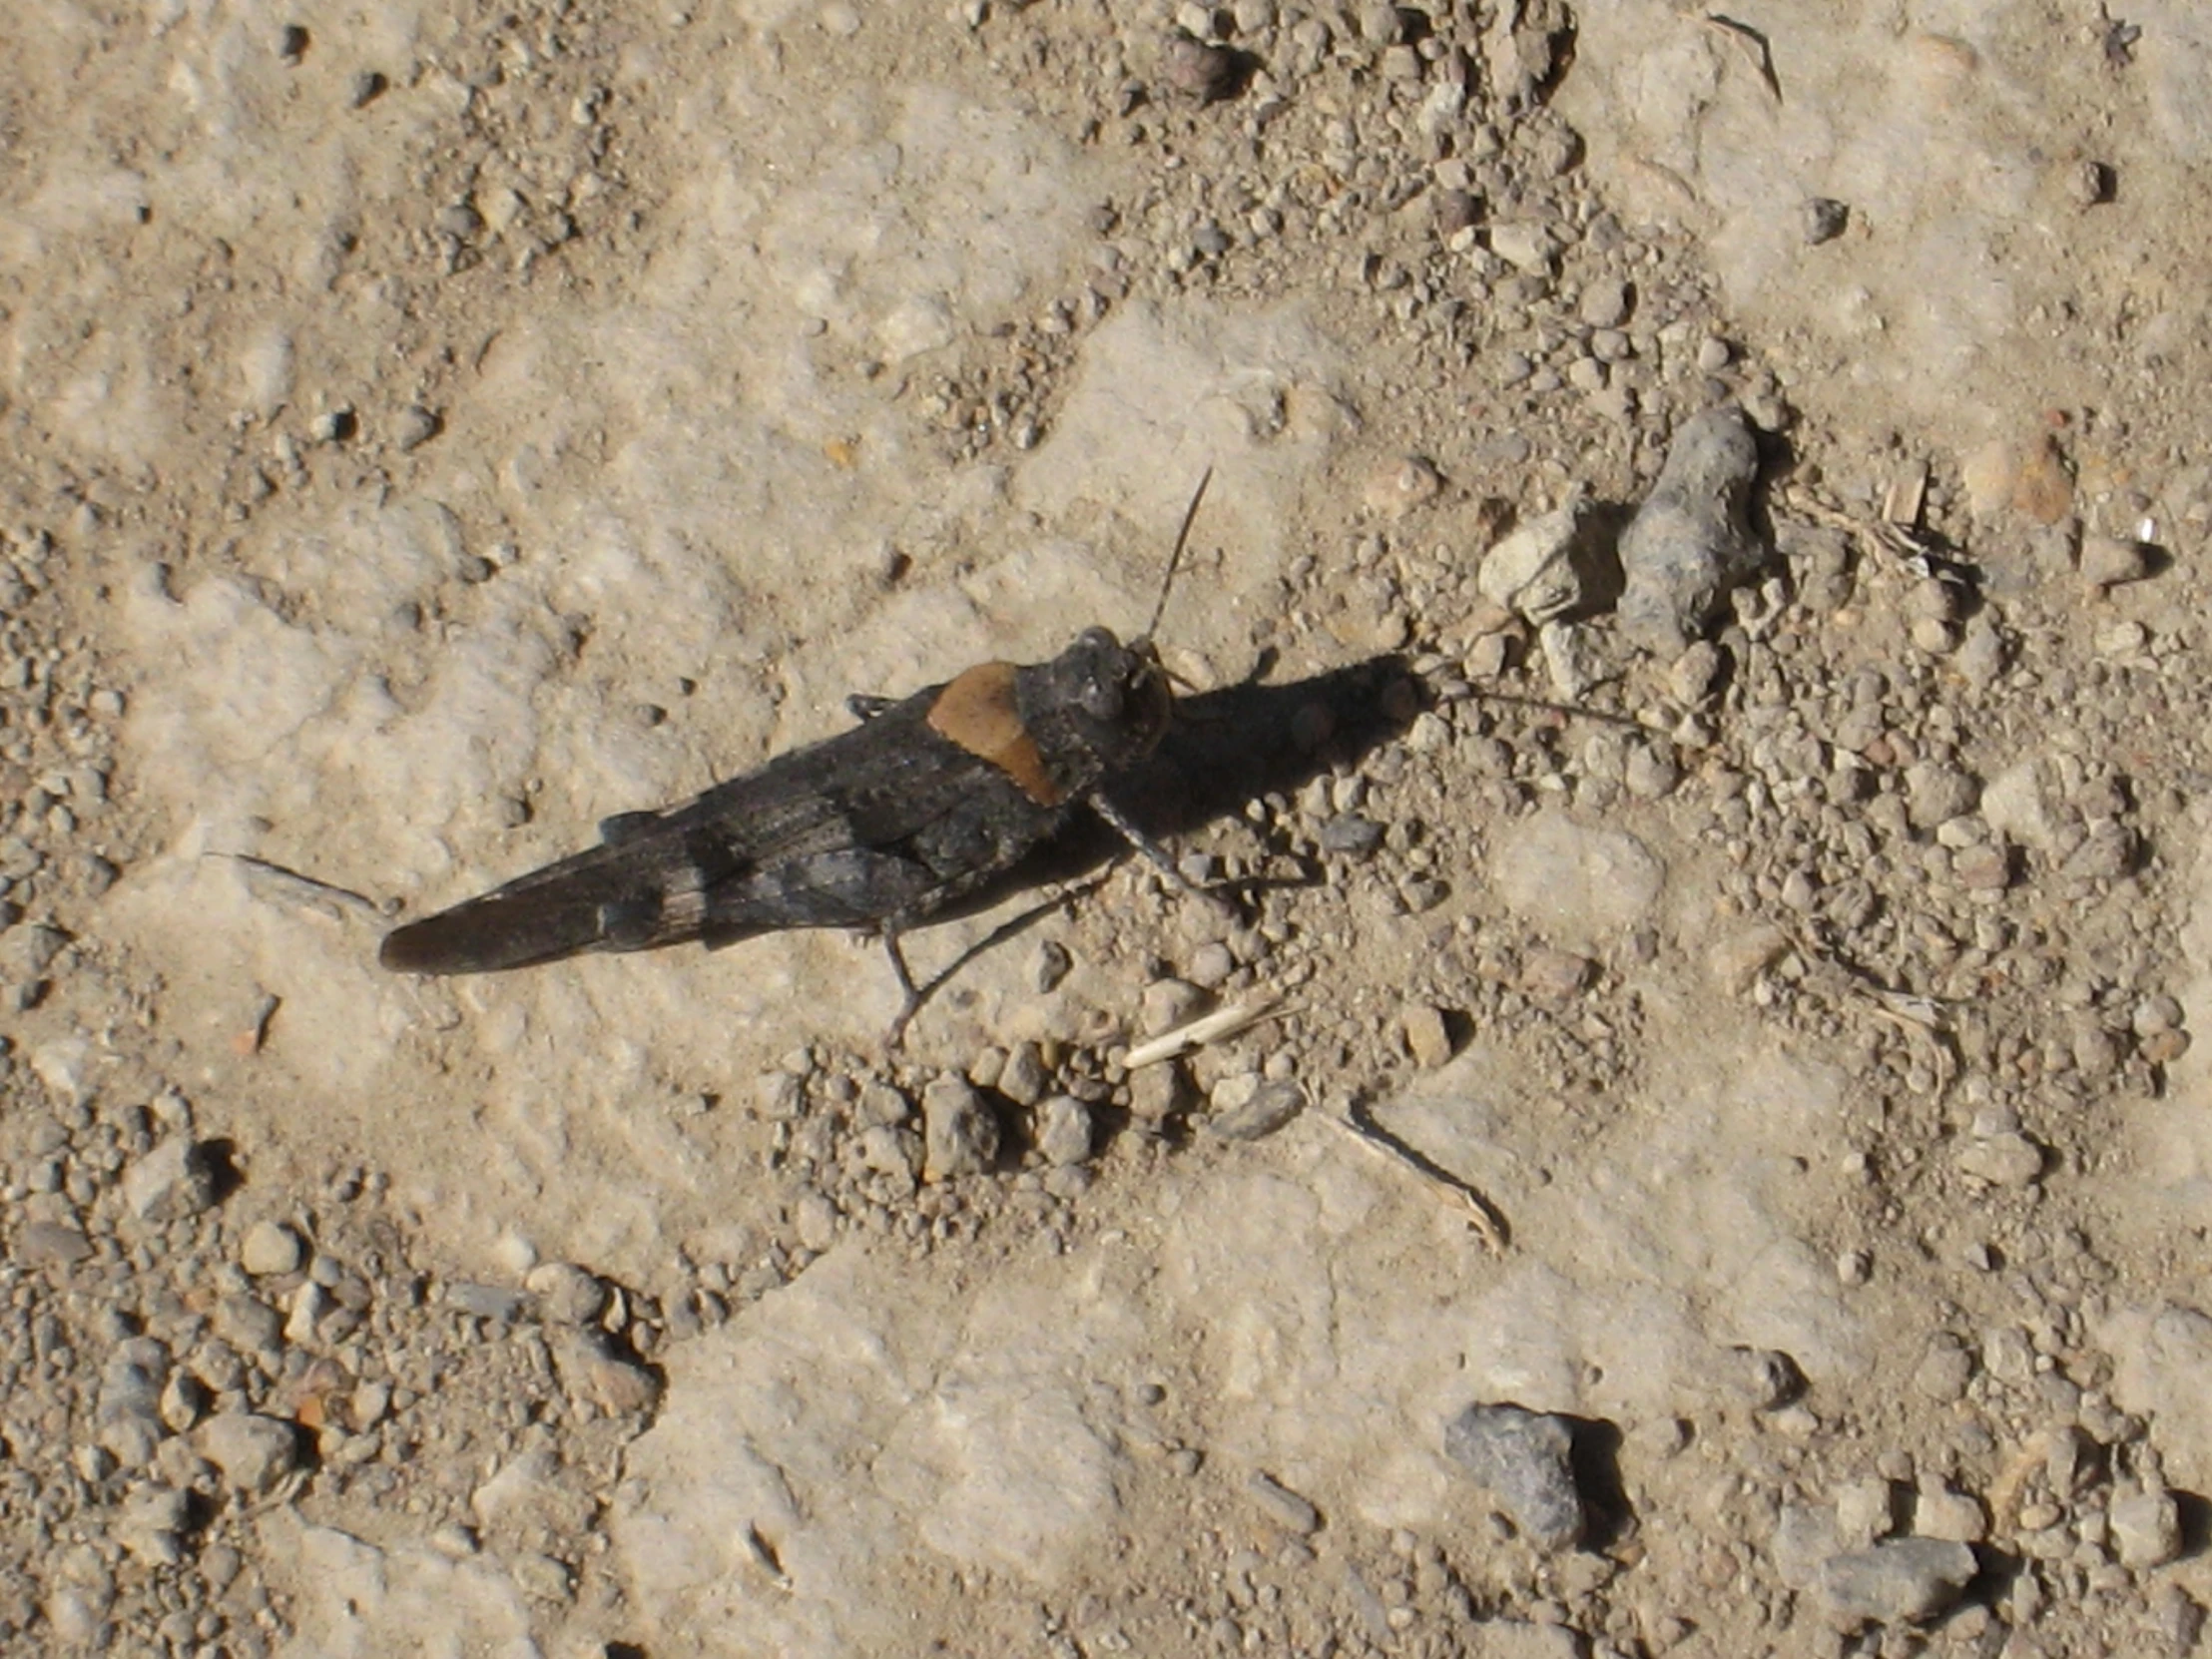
{"x":1154,"y":854}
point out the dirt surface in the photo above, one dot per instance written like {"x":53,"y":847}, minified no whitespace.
{"x":1746,"y":1170}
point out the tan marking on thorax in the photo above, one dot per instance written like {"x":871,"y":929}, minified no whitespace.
{"x":978,"y":710}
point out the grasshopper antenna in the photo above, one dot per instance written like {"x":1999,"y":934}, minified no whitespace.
{"x":1182,"y":539}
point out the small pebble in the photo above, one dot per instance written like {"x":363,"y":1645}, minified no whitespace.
{"x":1935,"y":792}
{"x":1350,"y":835}
{"x":1247,"y":1107}
{"x":1022,"y":1078}
{"x":252,"y":1451}
{"x":1534,"y":569}
{"x":1528,"y":247}
{"x":1823,"y":219}
{"x":959,"y":1135}
{"x":566,"y":1294}
{"x":413,"y":428}
{"x":1063,"y":1130}
{"x":1456,"y":211}
{"x":592,"y":1371}
{"x":1864,"y":1510}
{"x":1908,"y":1580}
{"x":2110,"y":561}
{"x":1402,"y":485}
{"x":1282,"y":1505}
{"x":1051,"y":966}
{"x":2089,"y":183}
{"x":1940,"y":1513}
{"x":1155,"y":1094}
{"x":271,"y":1248}
{"x":39,"y":1243}
{"x":1553,"y":975}
{"x":1197,"y":69}
{"x":2042,"y":488}
{"x":1605,"y":303}
{"x":1944,"y":1369}
{"x":2006,"y":1160}
{"x":1169,"y":1003}
{"x":2146,"y":1528}
{"x":1692,"y":539}
{"x":1210,"y":964}
{"x":1428,"y":1037}
{"x":1650,"y":773}
{"x":168,"y":1183}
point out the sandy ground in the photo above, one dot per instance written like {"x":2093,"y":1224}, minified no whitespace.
{"x":1766,"y":1054}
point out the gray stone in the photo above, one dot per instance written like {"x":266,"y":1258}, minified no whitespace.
{"x":1823,"y":219}
{"x":414,"y":426}
{"x":249,"y":1323}
{"x":564,"y":1292}
{"x":1250,"y":1108}
{"x":150,"y":1519}
{"x":2006,"y":1160}
{"x":128,"y":1413}
{"x":1155,"y":1094}
{"x":1605,"y":303}
{"x":498,"y":1303}
{"x":168,"y":1183}
{"x":1691,"y":541}
{"x":1522,"y":1459}
{"x":1428,"y":1037}
{"x":1805,"y":1536}
{"x":1284,"y":1506}
{"x":1527,"y":247}
{"x":1864,"y":1510}
{"x":1944,"y":1369}
{"x":252,"y":1451}
{"x":41,"y":1243}
{"x":1022,"y":1078}
{"x":2146,"y":1528}
{"x":2016,"y":806}
{"x":1351,"y":834}
{"x":1534,"y":569}
{"x":1063,"y":1129}
{"x":1935,"y":793}
{"x":1940,"y":1513}
{"x":1910,"y":1579}
{"x":959,"y":1135}
{"x":271,"y":1248}
{"x":592,"y":1371}
{"x":887,"y":1150}
{"x":1169,"y":1003}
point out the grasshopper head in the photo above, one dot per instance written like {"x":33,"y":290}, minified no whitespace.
{"x":1099,"y":705}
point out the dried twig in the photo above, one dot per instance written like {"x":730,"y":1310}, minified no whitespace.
{"x":1490,"y":1225}
{"x":1197,"y":1033}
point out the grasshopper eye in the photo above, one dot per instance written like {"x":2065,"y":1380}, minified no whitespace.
{"x":1102,"y":700}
